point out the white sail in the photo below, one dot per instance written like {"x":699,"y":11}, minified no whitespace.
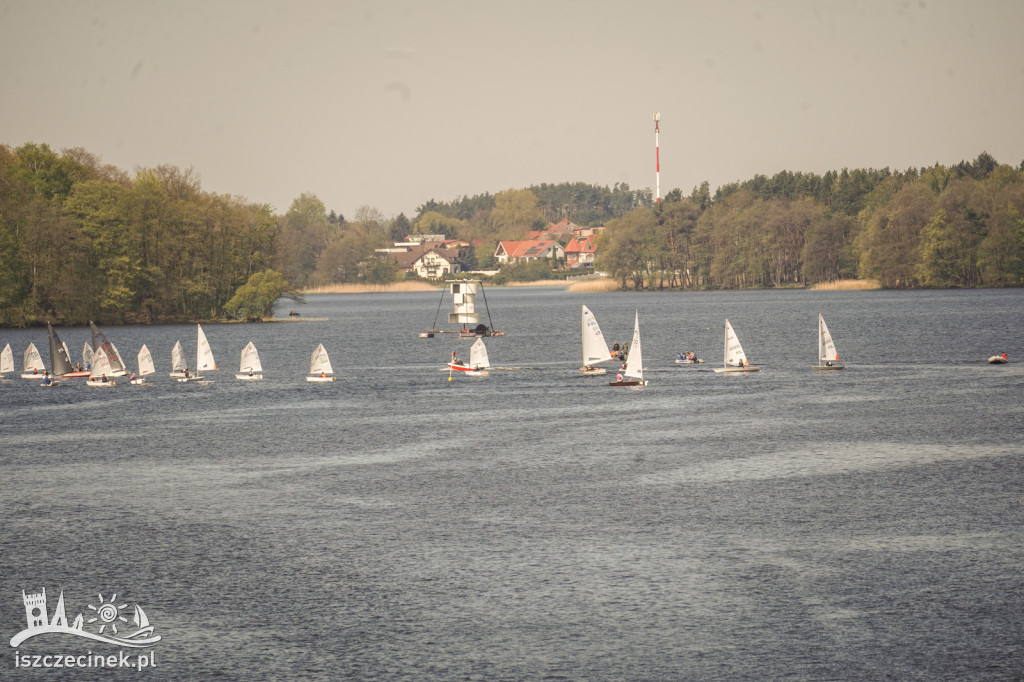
{"x":595,"y":348}
{"x":734,"y":355}
{"x":635,"y":360}
{"x":86,"y":354}
{"x":6,"y":360}
{"x":100,"y":340}
{"x":735,"y":361}
{"x":826,"y":347}
{"x":33,"y":361}
{"x":478,"y":355}
{"x":100,"y":364}
{"x":319,"y":363}
{"x":145,"y":361}
{"x":250,"y":359}
{"x":204,"y":354}
{"x":178,"y":358}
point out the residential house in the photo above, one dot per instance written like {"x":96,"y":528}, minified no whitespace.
{"x":580,"y":253}
{"x":525,"y":251}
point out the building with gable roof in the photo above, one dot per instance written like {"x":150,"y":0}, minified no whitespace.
{"x":580,"y":253}
{"x":528,"y":250}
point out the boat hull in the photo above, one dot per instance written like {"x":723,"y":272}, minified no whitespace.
{"x":593,"y":370}
{"x":137,"y":382}
{"x":689,"y":362}
{"x":834,"y":365}
{"x":321,"y":380}
{"x":997,"y":360}
{"x":629,"y":383}
{"x":737,"y":370}
{"x":81,"y":374}
{"x":249,"y":377}
{"x":98,"y":383}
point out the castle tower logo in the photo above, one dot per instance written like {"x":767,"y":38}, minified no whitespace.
{"x":107,"y":622}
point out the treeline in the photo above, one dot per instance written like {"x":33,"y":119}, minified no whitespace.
{"x":958,"y":226}
{"x":82,"y":240}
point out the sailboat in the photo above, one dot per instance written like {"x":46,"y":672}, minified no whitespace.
{"x":735,"y":358}
{"x":478,"y":361}
{"x":249,"y":367}
{"x":320,"y":369}
{"x":634,"y":361}
{"x":99,"y":374}
{"x":828,"y":357}
{"x":145,"y":366}
{"x":33,"y":363}
{"x":60,"y":363}
{"x":99,"y":340}
{"x":595,"y":348}
{"x":204,"y":357}
{"x":86,"y":355}
{"x":6,"y":361}
{"x":178,"y":364}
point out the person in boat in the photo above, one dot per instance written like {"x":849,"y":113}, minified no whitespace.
{"x":618,"y":377}
{"x":104,"y":379}
{"x":679,"y":356}
{"x":323,"y":375}
{"x":615,"y":347}
{"x":250,"y":371}
{"x":46,"y":377}
{"x":1004,"y":357}
{"x":185,"y":373}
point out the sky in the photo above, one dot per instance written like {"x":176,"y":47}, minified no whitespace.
{"x":388,"y":104}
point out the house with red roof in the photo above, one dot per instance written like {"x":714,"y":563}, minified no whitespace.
{"x":580,"y":253}
{"x":528,"y":250}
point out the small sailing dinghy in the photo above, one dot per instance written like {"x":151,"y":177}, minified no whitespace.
{"x":828,"y":357}
{"x":204,"y":357}
{"x":478,"y":361}
{"x":6,"y":361}
{"x":249,"y":368}
{"x":595,"y":348}
{"x":688,"y":358}
{"x":735,"y":359}
{"x":33,"y":366}
{"x":145,"y":366}
{"x":320,"y":369}
{"x":60,"y":363}
{"x":100,"y":373}
{"x":634,"y":361}
{"x":100,"y":340}
{"x":1000,"y":359}
{"x":178,"y":364}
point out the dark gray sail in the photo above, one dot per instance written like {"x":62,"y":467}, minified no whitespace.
{"x":60,"y":363}
{"x":99,"y":340}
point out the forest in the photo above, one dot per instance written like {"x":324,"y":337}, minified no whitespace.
{"x":83,"y":240}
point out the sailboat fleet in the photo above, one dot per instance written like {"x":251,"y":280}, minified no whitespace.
{"x":104,"y":364}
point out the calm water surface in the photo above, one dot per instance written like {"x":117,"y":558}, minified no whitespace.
{"x":535,"y":524}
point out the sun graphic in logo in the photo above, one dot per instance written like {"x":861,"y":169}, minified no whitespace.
{"x":108,"y":613}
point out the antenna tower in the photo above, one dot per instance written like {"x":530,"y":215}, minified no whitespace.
{"x":657,"y":160}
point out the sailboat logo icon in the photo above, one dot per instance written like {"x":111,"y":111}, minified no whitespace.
{"x":109,"y":621}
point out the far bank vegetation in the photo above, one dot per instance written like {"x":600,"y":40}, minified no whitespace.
{"x":87,"y":241}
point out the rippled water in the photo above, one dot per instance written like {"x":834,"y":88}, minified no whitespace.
{"x":535,"y":524}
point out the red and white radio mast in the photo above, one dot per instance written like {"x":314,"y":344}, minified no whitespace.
{"x":657,"y":160}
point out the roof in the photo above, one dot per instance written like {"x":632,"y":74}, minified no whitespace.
{"x":585,"y":245}
{"x":526,"y":249}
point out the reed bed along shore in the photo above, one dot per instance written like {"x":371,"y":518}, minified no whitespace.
{"x":847,"y":285}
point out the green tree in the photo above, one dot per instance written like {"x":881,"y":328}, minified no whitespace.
{"x":254,"y":300}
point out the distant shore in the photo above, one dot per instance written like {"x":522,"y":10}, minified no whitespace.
{"x":603,"y":284}
{"x":584,"y":285}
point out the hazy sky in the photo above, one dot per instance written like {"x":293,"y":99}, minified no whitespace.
{"x":393,"y":103}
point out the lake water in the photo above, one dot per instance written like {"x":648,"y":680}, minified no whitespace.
{"x":536,"y":524}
